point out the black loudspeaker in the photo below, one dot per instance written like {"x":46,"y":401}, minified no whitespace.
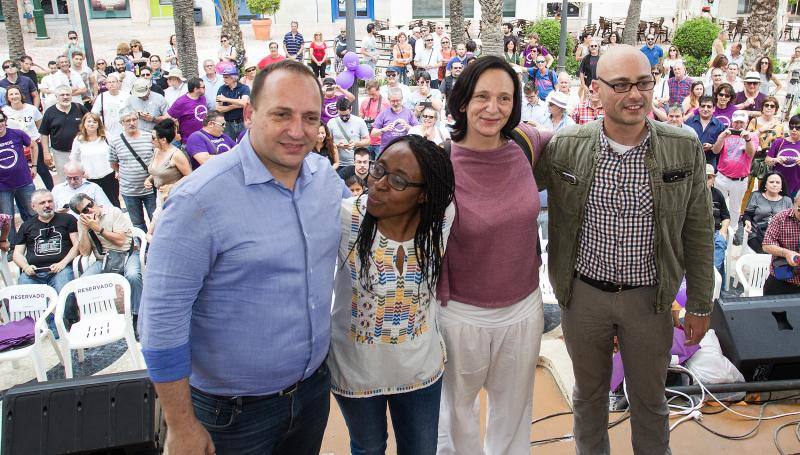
{"x":760,"y":335}
{"x":109,"y":414}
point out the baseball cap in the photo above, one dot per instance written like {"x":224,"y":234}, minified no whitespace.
{"x":230,"y":71}
{"x":739,"y":116}
{"x":329,"y":81}
{"x":140,"y":87}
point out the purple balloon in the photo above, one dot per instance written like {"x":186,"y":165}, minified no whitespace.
{"x":681,"y":297}
{"x":350,"y":61}
{"x":345,"y":79}
{"x":364,"y":71}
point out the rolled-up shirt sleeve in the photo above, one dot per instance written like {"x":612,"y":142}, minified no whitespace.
{"x":180,"y":258}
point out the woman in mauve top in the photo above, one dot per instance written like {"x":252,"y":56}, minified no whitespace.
{"x":491,"y":316}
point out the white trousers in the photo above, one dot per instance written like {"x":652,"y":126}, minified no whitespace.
{"x":733,"y":190}
{"x":60,"y":159}
{"x":500,"y":359}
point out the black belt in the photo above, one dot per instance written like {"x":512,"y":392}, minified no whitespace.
{"x":605,"y":286}
{"x":288,"y":391}
{"x":736,"y":179}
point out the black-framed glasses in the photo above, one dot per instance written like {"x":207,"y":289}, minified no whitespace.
{"x":724,"y":95}
{"x":625,"y":87}
{"x":706,"y":106}
{"x":396,"y":181}
{"x":85,"y":210}
{"x":423,"y":82}
{"x":429,"y":117}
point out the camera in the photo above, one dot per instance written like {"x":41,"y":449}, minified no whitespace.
{"x":736,"y":132}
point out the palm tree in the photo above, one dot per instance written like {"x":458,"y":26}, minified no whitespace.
{"x":229,"y":14}
{"x":760,"y":26}
{"x":183,"y":15}
{"x":631,"y":32}
{"x":491,"y":20}
{"x":457,"y":35}
{"x":16,"y":45}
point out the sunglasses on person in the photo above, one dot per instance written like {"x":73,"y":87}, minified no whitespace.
{"x":222,"y":125}
{"x":423,"y":82}
{"x":429,"y":117}
{"x":429,"y":40}
{"x":725,"y":95}
{"x":539,"y":61}
{"x":143,"y":74}
{"x":593,"y":46}
{"x":794,"y":127}
{"x":770,"y":105}
{"x":85,"y":210}
{"x":391,"y":74}
{"x":11,"y":65}
{"x":706,"y":106}
{"x":72,"y":38}
{"x":101,"y":63}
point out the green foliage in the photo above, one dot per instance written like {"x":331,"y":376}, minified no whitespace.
{"x":694,"y":39}
{"x":261,"y":7}
{"x":695,"y":66}
{"x":549,"y":31}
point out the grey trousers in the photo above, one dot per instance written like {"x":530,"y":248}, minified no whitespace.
{"x":645,"y":339}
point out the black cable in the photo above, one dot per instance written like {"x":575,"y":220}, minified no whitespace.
{"x":625,"y":416}
{"x":778,"y":430}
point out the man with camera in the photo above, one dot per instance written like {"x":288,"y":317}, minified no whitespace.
{"x":348,"y":131}
{"x":46,"y":244}
{"x":736,"y":147}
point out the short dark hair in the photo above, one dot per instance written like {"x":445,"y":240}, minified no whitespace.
{"x":422,"y":74}
{"x":77,"y":52}
{"x":370,"y":27}
{"x":509,"y":25}
{"x":165,"y":129}
{"x":463,"y":91}
{"x":72,"y":32}
{"x":193,"y":83}
{"x":288,"y":64}
{"x":471,"y":46}
{"x":361,"y":151}
{"x":706,"y":99}
{"x":26,"y":58}
{"x":211,"y":115}
{"x":52,"y":62}
{"x":762,"y":184}
{"x":343,"y":104}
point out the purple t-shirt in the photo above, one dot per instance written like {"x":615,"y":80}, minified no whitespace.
{"x":724,"y":115}
{"x":189,"y":113}
{"x":528,"y":59}
{"x":329,"y":110}
{"x":202,"y":142}
{"x":741,"y":97}
{"x":14,"y":172}
{"x":791,"y":170}
{"x":389,"y":116}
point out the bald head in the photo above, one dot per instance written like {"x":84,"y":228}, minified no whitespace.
{"x":621,"y":56}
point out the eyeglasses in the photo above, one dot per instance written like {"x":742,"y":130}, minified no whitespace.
{"x":625,"y":87}
{"x":222,"y":125}
{"x":752,"y":83}
{"x":388,"y":74}
{"x":428,"y":40}
{"x":5,"y":67}
{"x":706,"y":106}
{"x":593,"y":46}
{"x":655,"y":73}
{"x":724,"y":95}
{"x":650,"y":38}
{"x":772,"y":105}
{"x":765,"y":62}
{"x":423,"y":82}
{"x":396,"y":181}
{"x":429,"y":117}
{"x":794,"y":127}
{"x":101,"y":63}
{"x":85,"y":210}
{"x":71,"y":38}
{"x":539,"y":61}
{"x":76,"y":178}
{"x":145,"y":74}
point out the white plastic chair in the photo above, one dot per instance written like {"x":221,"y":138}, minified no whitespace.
{"x":732,"y":255}
{"x":140,"y":235}
{"x":37,"y":301}
{"x":717,"y":285}
{"x":100,"y":323}
{"x":752,"y":270}
{"x":5,"y":271}
{"x":548,"y":293}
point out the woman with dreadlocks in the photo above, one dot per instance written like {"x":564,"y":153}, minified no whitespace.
{"x":386,"y":349}
{"x":492,"y":315}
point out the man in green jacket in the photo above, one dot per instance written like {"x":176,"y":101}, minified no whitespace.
{"x":630,"y":214}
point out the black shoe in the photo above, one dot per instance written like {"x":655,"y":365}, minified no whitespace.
{"x":737,"y":237}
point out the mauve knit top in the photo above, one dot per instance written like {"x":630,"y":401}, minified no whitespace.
{"x":491,"y":259}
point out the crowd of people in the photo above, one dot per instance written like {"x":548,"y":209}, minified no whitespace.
{"x":436,"y":291}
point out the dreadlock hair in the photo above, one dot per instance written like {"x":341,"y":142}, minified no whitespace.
{"x":439,"y":181}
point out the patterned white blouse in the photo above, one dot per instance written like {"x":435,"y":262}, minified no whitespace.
{"x":386,"y":341}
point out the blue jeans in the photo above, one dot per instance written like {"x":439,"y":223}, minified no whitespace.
{"x":233,"y":128}
{"x":134,"y":205}
{"x":22,"y":196}
{"x":415,"y":419}
{"x":720,"y":245}
{"x":133,"y":273}
{"x":292,"y":424}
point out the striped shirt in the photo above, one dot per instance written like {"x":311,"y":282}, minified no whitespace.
{"x":294,"y":44}
{"x":617,"y":237}
{"x":132,"y":174}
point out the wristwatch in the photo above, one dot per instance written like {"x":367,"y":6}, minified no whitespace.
{"x":100,"y":232}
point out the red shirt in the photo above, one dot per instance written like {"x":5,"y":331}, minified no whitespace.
{"x":369,"y":110}
{"x":268,"y":60}
{"x":784,"y":231}
{"x":318,"y":50}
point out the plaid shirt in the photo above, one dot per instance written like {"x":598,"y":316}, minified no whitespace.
{"x":617,"y":237}
{"x":678,"y":90}
{"x":784,"y":231}
{"x":586,"y":113}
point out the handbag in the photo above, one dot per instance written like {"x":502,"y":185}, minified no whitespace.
{"x":782,"y":270}
{"x":113,"y":261}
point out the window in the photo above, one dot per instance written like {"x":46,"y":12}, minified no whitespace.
{"x":433,"y":8}
{"x":743,"y":7}
{"x":363,"y":9}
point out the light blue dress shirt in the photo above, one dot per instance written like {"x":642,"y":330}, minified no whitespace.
{"x":240,"y":276}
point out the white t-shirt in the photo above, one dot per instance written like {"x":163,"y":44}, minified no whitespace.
{"x":48,"y":82}
{"x":108,"y":106}
{"x":74,"y":80}
{"x":171,"y":94}
{"x":411,"y":101}
{"x":127,"y":82}
{"x":94,"y":157}
{"x":441,"y":133}
{"x":429,"y":57}
{"x":24,"y":119}
{"x":617,"y":147}
{"x":356,"y":129}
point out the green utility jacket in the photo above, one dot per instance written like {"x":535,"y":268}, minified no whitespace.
{"x":684,"y":224}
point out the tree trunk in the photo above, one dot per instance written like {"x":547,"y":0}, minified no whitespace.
{"x":16,"y":44}
{"x":183,"y":16}
{"x":491,"y":20}
{"x":760,"y":24}
{"x":629,"y":35}
{"x":229,"y":14}
{"x":457,"y":35}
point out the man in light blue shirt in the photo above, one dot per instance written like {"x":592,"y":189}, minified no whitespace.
{"x":239,"y":284}
{"x":213,"y":82}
